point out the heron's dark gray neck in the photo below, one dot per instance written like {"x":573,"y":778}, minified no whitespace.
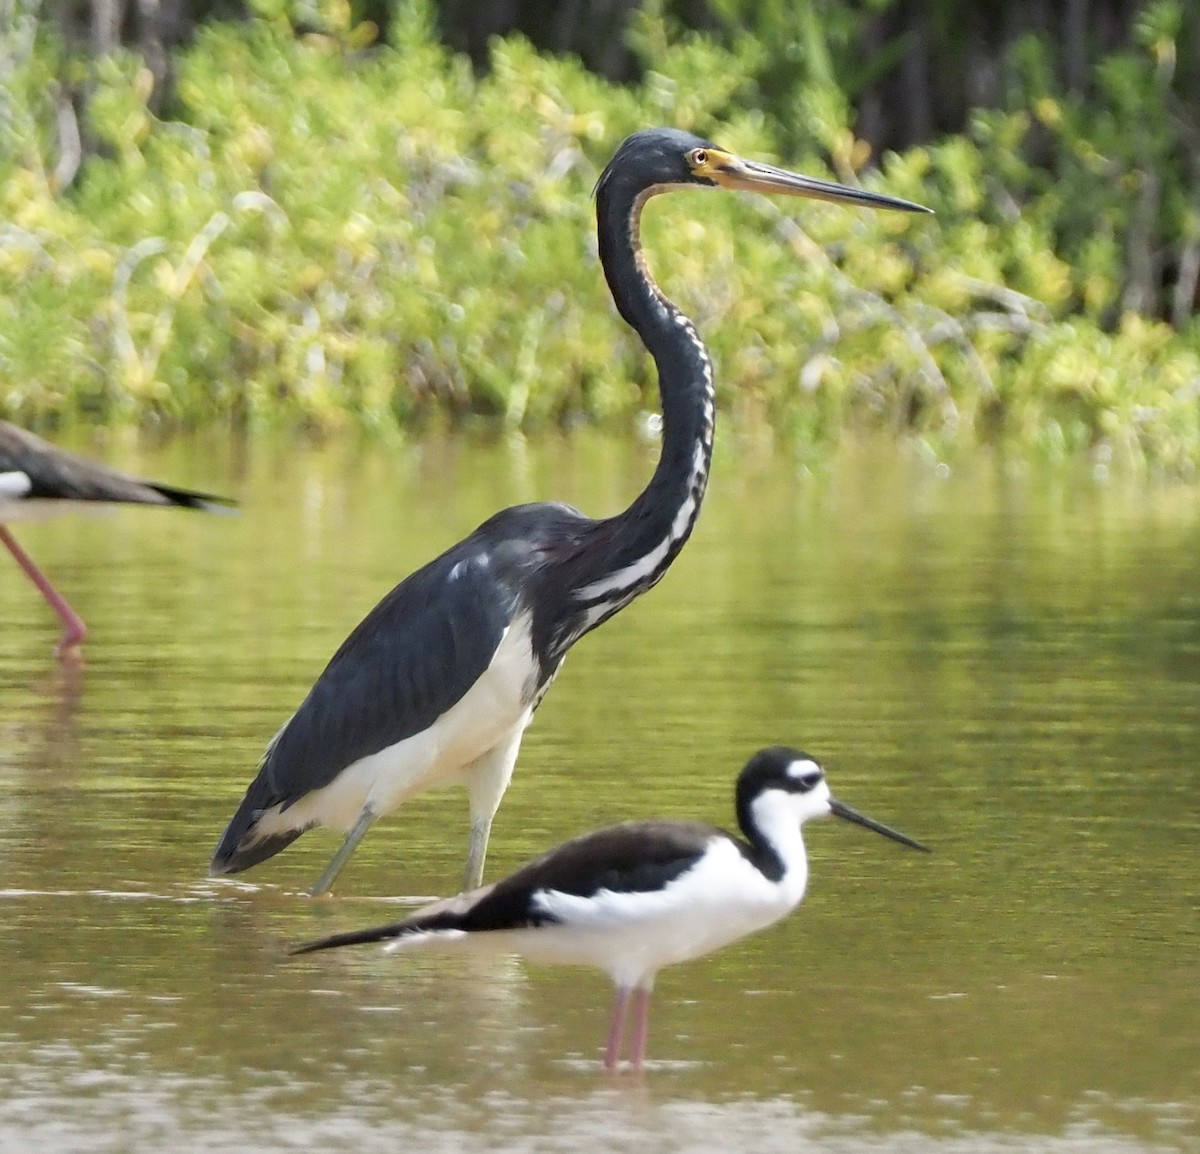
{"x":629,"y":553}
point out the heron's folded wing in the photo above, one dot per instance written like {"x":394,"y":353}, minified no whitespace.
{"x":410,"y":660}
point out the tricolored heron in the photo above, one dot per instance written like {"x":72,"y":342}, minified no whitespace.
{"x":38,"y":479}
{"x":439,"y":681}
{"x":635,"y":897}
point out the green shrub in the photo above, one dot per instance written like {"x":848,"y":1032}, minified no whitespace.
{"x":325,"y":233}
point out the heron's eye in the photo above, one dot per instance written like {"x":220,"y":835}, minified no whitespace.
{"x":699,"y":158}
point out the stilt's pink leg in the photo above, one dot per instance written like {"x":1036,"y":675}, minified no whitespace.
{"x":641,"y":1026}
{"x":74,"y":629}
{"x":612,"y":1051}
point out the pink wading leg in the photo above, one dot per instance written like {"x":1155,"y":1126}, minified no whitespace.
{"x":75,"y":630}
{"x":612,"y":1051}
{"x":641,"y":1026}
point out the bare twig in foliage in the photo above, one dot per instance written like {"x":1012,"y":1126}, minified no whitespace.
{"x":1141,"y":240}
{"x":1010,"y":299}
{"x":141,"y":368}
{"x":70,"y":146}
{"x":126,"y":349}
{"x":874,"y":311}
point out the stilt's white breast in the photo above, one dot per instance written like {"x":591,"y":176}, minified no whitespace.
{"x":17,"y":505}
{"x":14,"y":485}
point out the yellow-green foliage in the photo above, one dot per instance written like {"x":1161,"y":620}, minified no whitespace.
{"x":322,"y":232}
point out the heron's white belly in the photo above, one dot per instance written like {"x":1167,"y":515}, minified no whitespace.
{"x":491,"y":714}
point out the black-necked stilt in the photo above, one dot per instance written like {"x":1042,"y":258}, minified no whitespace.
{"x":37,"y":479}
{"x":638,"y":896}
{"x":438,"y":683}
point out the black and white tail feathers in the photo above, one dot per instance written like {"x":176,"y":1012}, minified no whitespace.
{"x":451,"y":916}
{"x":190,"y":499}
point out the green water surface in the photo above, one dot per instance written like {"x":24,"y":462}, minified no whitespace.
{"x":999,"y":660}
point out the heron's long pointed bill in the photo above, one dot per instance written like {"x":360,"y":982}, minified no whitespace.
{"x":840,"y":810}
{"x":731,"y":171}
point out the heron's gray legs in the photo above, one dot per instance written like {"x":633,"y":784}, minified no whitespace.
{"x":487,"y":780}
{"x":476,"y":853}
{"x":74,"y":628}
{"x":360,"y":827}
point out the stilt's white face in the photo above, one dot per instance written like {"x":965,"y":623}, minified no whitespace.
{"x":797,"y":794}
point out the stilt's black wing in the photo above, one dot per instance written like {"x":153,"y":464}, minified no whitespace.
{"x":633,"y":857}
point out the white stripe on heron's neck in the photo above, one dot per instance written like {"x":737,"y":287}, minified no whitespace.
{"x":633,"y":575}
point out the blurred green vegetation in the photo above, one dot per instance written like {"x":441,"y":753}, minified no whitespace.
{"x":320,"y":229}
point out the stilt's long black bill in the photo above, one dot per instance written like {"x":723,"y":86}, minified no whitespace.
{"x":840,"y":810}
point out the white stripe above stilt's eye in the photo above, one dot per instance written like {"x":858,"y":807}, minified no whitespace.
{"x":15,"y":485}
{"x":801,"y":767}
